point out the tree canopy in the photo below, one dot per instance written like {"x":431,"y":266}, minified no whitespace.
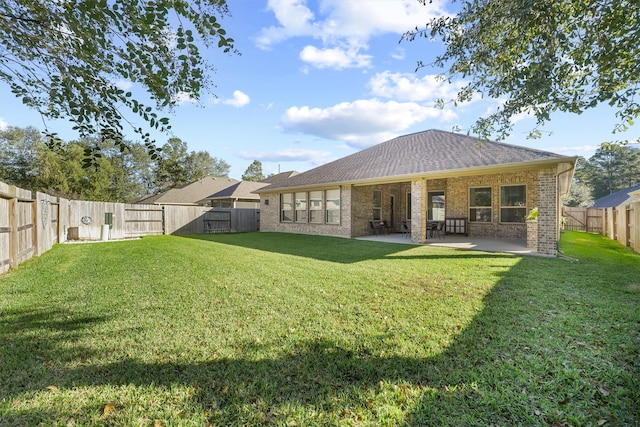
{"x":254,"y":172}
{"x":613,"y":167}
{"x":66,"y":58}
{"x":542,"y":56}
{"x":27,"y":162}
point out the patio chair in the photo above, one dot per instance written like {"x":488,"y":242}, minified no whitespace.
{"x":439,"y":229}
{"x":374,"y":228}
{"x":405,"y":229}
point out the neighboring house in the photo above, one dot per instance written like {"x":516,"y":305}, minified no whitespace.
{"x":486,"y":188}
{"x":618,"y":198}
{"x":194,"y":194}
{"x":280,"y":177}
{"x":238,"y":195}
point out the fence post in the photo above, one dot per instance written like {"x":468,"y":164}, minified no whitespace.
{"x":37,"y":224}
{"x":13,"y":226}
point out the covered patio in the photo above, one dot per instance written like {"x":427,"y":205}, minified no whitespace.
{"x":485,"y":244}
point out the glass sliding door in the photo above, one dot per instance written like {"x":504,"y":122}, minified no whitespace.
{"x":435,"y":206}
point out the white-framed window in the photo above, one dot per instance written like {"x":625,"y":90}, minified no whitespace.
{"x":286,"y":207}
{"x":377,"y":205}
{"x":332,"y":199}
{"x":480,"y":204}
{"x":409,"y":206}
{"x":513,"y":203}
{"x":301,"y":207}
{"x":316,"y":207}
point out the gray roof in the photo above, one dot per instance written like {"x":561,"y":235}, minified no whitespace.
{"x":278,"y":178}
{"x":427,"y":152}
{"x":240,"y":190}
{"x":191,"y":194}
{"x":615,"y":199}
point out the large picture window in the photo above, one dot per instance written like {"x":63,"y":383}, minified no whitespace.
{"x":315,"y":207}
{"x":513,"y":203}
{"x":286,"y":207}
{"x":333,"y":206}
{"x":301,"y":207}
{"x":480,"y":204}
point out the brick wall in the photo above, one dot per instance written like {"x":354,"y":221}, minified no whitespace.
{"x":547,"y":213}
{"x":457,"y":202}
{"x":362,"y":206}
{"x":270,"y":217}
{"x":357,"y":207}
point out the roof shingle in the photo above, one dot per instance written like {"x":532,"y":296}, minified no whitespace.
{"x":417,"y":153}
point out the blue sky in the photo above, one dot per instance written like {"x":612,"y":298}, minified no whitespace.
{"x":319,"y":80}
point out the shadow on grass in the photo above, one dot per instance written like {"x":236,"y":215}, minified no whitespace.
{"x":333,"y":249}
{"x":540,"y":353}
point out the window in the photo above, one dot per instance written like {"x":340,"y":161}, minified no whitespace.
{"x":377,"y":205}
{"x":301,"y":207}
{"x":408,"y":206}
{"x":333,"y":206}
{"x":315,"y":207}
{"x":435,"y":206}
{"x":480,"y":204}
{"x":513,"y":203}
{"x":286,"y":207}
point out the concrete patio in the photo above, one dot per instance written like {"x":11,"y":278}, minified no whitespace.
{"x":486,"y":244}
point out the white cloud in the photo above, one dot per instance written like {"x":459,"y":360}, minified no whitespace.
{"x":343,"y":28}
{"x":409,"y":87}
{"x":399,"y":54}
{"x":184,"y":98}
{"x":290,"y":155}
{"x":240,"y":99}
{"x":337,"y":58}
{"x":3,"y":124}
{"x":345,"y":20}
{"x":361,"y":122}
{"x":124,"y":84}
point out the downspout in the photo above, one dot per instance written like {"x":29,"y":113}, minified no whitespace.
{"x":559,"y":200}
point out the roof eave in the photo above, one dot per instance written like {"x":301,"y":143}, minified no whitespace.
{"x":451,"y":173}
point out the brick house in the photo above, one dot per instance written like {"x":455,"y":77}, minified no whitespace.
{"x":479,"y":188}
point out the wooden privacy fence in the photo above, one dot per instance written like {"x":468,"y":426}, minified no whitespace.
{"x":620,"y":223}
{"x":31,"y":224}
{"x":584,"y":219}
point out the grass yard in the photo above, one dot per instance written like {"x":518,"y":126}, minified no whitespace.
{"x":294,"y":330}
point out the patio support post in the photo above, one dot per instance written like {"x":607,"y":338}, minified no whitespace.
{"x":547,"y":213}
{"x":418,"y":211}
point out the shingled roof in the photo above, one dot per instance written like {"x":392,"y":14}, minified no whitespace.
{"x":190,"y":194}
{"x":429,"y":152}
{"x":616,"y":199}
{"x":240,"y":190}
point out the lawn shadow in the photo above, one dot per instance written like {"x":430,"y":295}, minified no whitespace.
{"x":335,"y":249}
{"x":510,"y":366}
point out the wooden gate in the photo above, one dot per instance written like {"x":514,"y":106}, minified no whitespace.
{"x":584,"y":219}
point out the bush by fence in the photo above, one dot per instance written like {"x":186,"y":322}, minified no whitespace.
{"x":31,"y":224}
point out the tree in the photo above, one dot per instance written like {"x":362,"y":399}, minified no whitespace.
{"x":177,"y":167}
{"x":170,"y":170}
{"x":613,"y":167}
{"x":200,"y":164}
{"x":542,"y":56}
{"x":254,"y":172}
{"x":65,"y":59}
{"x":19,"y":155}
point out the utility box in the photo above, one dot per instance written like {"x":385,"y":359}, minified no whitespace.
{"x":108,"y":219}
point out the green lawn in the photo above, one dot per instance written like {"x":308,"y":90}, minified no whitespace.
{"x":294,"y":330}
